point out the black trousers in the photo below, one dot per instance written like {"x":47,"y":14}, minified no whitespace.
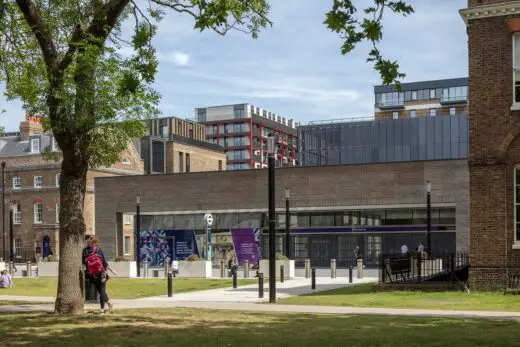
{"x":101,"y":285}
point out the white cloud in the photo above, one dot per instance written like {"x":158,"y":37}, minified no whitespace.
{"x":176,"y":58}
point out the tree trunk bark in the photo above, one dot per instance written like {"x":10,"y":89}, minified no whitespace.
{"x":73,"y":182}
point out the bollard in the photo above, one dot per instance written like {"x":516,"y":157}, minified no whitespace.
{"x":170,"y":285}
{"x":313,"y":278}
{"x":246,"y":268}
{"x":29,"y":269}
{"x":166,"y":269}
{"x":350,"y":274}
{"x":333,"y":268}
{"x":282,"y":277}
{"x":145,"y":269}
{"x":360,"y":268}
{"x":261,"y":285}
{"x":235,"y":284}
{"x":222,"y":269}
{"x":307,"y":268}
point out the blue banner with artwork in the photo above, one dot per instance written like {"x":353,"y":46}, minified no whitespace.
{"x":160,"y":246}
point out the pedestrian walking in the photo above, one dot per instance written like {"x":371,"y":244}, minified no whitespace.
{"x":96,"y":270}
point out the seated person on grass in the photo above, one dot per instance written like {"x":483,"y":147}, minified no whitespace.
{"x":5,"y":280}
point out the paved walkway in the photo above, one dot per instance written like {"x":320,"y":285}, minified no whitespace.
{"x":245,"y":298}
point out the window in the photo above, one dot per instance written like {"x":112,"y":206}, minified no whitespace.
{"x":38,"y":211}
{"x":432,"y":93}
{"x":17,"y":182}
{"x":126,"y":161}
{"x":453,"y":111}
{"x":18,"y":247}
{"x":432,"y":112}
{"x":58,"y":180}
{"x":455,"y":94}
{"x":395,"y":115}
{"x":127,"y":245}
{"x":35,"y":145}
{"x":220,"y":165}
{"x":57,"y":213}
{"x":127,"y":219}
{"x":392,"y":99}
{"x":17,"y":213}
{"x":38,"y":181}
{"x":181,"y":162}
{"x":413,"y":113}
{"x":187,"y":162}
{"x":517,"y":204}
{"x":414,"y":94}
{"x":516,"y":67}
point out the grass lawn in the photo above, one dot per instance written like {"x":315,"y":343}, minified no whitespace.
{"x":185,"y":327}
{"x":122,"y":288}
{"x":362,"y":296}
{"x":19,"y":303}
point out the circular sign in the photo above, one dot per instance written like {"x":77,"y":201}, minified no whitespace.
{"x":208,"y":217}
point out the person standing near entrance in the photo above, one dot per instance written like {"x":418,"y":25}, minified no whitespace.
{"x":96,"y":269}
{"x":404,"y":249}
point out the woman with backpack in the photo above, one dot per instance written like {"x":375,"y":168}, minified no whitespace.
{"x":96,"y":269}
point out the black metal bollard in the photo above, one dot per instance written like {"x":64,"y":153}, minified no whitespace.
{"x":282,"y":277}
{"x":350,"y":274}
{"x":170,"y":284}
{"x":235,"y":284}
{"x":313,"y":278}
{"x":260,"y":285}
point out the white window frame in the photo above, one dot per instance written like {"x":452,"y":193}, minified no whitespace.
{"x":395,"y":115}
{"x":432,"y":91}
{"x":434,"y":112}
{"x":516,"y":244}
{"x":38,"y":213}
{"x":17,"y":182}
{"x":414,"y":95}
{"x":17,"y":213}
{"x":38,"y":181}
{"x":58,"y":175}
{"x":57,"y":213}
{"x":35,"y":145}
{"x":454,"y":109}
{"x":127,"y":219}
{"x":414,"y":112}
{"x":516,"y":105}
{"x":127,"y":249}
{"x":17,"y":247}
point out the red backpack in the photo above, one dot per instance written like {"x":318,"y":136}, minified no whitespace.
{"x":95,"y":264}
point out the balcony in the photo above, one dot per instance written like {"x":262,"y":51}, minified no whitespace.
{"x":454,"y":100}
{"x":391,"y":104}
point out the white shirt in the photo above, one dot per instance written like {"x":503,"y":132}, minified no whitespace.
{"x":404,"y":249}
{"x":420,"y":248}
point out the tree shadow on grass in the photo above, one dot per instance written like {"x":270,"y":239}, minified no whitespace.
{"x":185,"y":327}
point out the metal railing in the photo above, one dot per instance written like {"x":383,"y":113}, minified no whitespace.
{"x":413,"y":268}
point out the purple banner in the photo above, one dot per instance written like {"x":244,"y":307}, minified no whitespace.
{"x":245,"y":246}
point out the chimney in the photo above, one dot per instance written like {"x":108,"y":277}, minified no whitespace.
{"x":31,"y":126}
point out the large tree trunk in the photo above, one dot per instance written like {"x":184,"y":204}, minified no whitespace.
{"x":73,"y":181}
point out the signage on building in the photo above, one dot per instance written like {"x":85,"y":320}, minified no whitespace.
{"x":246,"y":247}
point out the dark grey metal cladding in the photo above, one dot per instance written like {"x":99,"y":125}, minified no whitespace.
{"x":384,"y":141}
{"x":419,"y":86}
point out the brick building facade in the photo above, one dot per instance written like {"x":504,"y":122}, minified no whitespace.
{"x":493,"y":28}
{"x":32,"y":190}
{"x":366,"y":197}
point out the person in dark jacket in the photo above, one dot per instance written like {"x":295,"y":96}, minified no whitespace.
{"x":99,"y":281}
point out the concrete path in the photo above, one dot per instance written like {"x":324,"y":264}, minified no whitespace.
{"x":267,"y":308}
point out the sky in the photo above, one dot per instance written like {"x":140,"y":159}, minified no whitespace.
{"x":295,"y":68}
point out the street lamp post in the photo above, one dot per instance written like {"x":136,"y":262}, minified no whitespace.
{"x":137,"y":237}
{"x":272,"y":216}
{"x":428,"y":216}
{"x":11,"y":237}
{"x":3,"y":210}
{"x":287,"y":224}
